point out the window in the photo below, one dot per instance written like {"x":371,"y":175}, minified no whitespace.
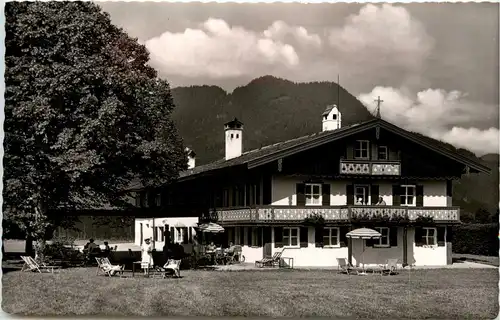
{"x":158,"y":200}
{"x":331,"y":237}
{"x":361,"y":150}
{"x":382,"y":153}
{"x":145,"y":200}
{"x":255,"y":237}
{"x":225,"y":198}
{"x":237,"y":136}
{"x":137,"y":197}
{"x":361,"y":195}
{"x":334,"y":117}
{"x":384,"y":240}
{"x":291,"y":237}
{"x":232,"y":136}
{"x":178,"y":235}
{"x":429,"y":236}
{"x":313,"y":194}
{"x":408,"y":195}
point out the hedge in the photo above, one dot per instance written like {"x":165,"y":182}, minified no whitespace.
{"x":479,"y":239}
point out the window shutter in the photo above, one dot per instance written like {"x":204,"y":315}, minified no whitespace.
{"x":185,"y":236}
{"x":350,"y":152}
{"x":449,"y":234}
{"x":304,"y":237}
{"x":440,"y":236}
{"x":278,"y":237}
{"x":249,"y":236}
{"x":418,"y":236}
{"x":242,"y":235}
{"x":396,"y":195}
{"x":301,"y":197}
{"x":318,"y":237}
{"x":172,"y":234}
{"x":420,"y":196}
{"x":350,"y":194}
{"x":449,"y":188}
{"x":259,"y":237}
{"x":393,"y":236}
{"x":326,"y":194}
{"x":374,"y":193}
{"x":190,"y":234}
{"x":343,"y":238}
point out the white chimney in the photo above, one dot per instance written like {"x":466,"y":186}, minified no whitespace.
{"x":191,"y":158}
{"x":234,"y":136}
{"x":332,"y":118}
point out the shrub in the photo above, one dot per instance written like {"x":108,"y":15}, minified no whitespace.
{"x":480,"y":239}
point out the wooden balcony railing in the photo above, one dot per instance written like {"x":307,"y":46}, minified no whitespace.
{"x":366,"y":167}
{"x":265,"y":214}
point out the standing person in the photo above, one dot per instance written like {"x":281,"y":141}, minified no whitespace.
{"x":147,"y":253}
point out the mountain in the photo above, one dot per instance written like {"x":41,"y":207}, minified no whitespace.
{"x":274,"y":110}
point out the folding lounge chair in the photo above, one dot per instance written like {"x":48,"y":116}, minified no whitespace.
{"x":270,"y":261}
{"x":105,"y":266}
{"x":391,"y":267}
{"x":31,"y":265}
{"x":171,"y":267}
{"x":346,"y":267}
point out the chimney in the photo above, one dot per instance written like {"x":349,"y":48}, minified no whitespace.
{"x":332,"y":118}
{"x":234,"y":135}
{"x":191,"y":158}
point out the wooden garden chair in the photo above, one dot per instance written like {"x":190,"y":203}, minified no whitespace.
{"x":345,"y":267}
{"x":270,"y":261}
{"x":31,"y":265}
{"x":105,"y":266}
{"x":391,"y":267}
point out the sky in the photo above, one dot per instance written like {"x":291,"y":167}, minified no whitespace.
{"x":434,"y":65}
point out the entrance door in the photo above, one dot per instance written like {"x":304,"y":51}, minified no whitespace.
{"x":266,"y":240}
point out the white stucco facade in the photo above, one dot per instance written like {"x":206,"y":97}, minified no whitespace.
{"x":145,"y":228}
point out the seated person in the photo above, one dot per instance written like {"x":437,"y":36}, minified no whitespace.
{"x":359,"y":201}
{"x":107,"y":249}
{"x":211,"y":247}
{"x":381,"y":201}
{"x":92,"y":247}
{"x":231,"y":248}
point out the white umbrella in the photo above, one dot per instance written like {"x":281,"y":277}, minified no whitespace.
{"x":210,"y":227}
{"x":363,"y":234}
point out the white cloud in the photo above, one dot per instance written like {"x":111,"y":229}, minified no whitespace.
{"x":437,"y":113}
{"x":218,"y":50}
{"x":379,"y":37}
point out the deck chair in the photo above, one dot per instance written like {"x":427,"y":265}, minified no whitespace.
{"x":273,"y":261}
{"x":171,"y":267}
{"x":391,"y":267}
{"x":345,"y":267}
{"x":105,"y":266}
{"x":31,"y":265}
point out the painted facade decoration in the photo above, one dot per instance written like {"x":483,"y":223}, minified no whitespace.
{"x":372,"y":174}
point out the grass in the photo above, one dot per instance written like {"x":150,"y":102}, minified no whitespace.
{"x":419,"y":294}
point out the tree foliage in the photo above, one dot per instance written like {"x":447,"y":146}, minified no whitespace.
{"x":84,"y":113}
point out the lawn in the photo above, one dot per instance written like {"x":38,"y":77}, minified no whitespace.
{"x":419,"y":294}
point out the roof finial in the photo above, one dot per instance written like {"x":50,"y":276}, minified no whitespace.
{"x":378,"y":101}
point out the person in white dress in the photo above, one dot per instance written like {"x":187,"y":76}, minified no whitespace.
{"x":147,"y":254}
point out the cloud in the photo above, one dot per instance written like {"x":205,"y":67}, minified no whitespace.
{"x":443,"y":115}
{"x":218,"y":50}
{"x":382,"y":39}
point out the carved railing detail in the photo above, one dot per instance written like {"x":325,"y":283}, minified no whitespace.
{"x":354,"y":167}
{"x":378,"y":168}
{"x":333,"y":213}
{"x":386,"y":169}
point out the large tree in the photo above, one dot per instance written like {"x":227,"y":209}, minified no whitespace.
{"x":84,"y":113}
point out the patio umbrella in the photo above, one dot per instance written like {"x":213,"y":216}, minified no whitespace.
{"x":363,"y":234}
{"x":210,"y":227}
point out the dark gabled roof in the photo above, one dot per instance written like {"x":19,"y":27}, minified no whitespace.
{"x":328,"y":109}
{"x":273,"y":152}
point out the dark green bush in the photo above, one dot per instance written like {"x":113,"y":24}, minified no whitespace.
{"x":480,"y":239}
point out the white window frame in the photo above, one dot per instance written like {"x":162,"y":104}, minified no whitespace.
{"x":255,"y":236}
{"x":386,"y":152}
{"x":368,"y":195}
{"x":311,"y":194}
{"x":405,"y":195}
{"x":426,"y":236}
{"x":178,"y":235}
{"x":329,"y":237}
{"x":360,"y":146}
{"x":288,"y":242}
{"x":381,"y":243}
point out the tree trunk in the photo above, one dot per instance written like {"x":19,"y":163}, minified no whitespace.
{"x":28,"y":246}
{"x":39,"y":250}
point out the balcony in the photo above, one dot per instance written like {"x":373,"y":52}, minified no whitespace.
{"x":366,"y":167}
{"x":277,"y":214}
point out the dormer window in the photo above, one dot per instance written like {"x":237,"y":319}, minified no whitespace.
{"x":361,"y":149}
